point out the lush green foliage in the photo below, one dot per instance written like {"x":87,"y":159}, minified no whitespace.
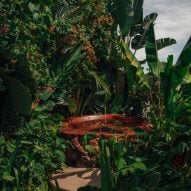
{"x":28,"y":160}
{"x":46,"y":74}
{"x":54,"y":65}
{"x":24,"y":52}
{"x":142,"y":166}
{"x":159,"y":160}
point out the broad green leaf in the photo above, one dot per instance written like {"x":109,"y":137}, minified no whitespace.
{"x":150,"y":19}
{"x":187,"y":78}
{"x":139,"y":32}
{"x":11,"y":147}
{"x":31,"y":7}
{"x":127,"y":13}
{"x":164,"y":42}
{"x":87,"y":137}
{"x":45,"y":95}
{"x":181,"y":60}
{"x":132,"y":60}
{"x":138,"y":42}
{"x":46,"y":107}
{"x":138,"y":165}
{"x":122,"y":166}
{"x":151,"y":52}
{"x":122,"y":11}
{"x":8,"y":177}
{"x":181,"y":70}
{"x":165,"y":76}
{"x":138,"y":11}
{"x":90,"y":149}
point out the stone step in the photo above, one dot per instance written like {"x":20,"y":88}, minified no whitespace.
{"x":72,"y":178}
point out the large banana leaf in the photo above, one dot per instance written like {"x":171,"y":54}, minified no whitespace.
{"x":139,"y":32}
{"x":149,"y":19}
{"x":132,"y":60}
{"x":166,"y":83}
{"x":180,"y":71}
{"x":188,"y":44}
{"x":174,"y":75}
{"x":127,"y":13}
{"x":139,"y":42}
{"x":151,"y":52}
{"x":185,"y":61}
{"x":138,"y":11}
{"x":187,"y":78}
{"x":164,"y":42}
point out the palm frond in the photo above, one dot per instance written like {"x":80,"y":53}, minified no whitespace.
{"x":99,"y":80}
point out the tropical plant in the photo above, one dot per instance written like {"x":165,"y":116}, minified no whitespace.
{"x":164,"y":153}
{"x":24,"y":56}
{"x":92,"y":28}
{"x":28,"y":160}
{"x":141,"y":167}
{"x":132,"y":32}
{"x":169,"y":78}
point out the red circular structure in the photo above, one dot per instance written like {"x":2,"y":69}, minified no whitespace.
{"x":107,"y":125}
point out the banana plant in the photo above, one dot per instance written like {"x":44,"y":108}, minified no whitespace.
{"x":127,"y":13}
{"x":181,"y":61}
{"x":136,"y":32}
{"x":169,"y":80}
{"x":131,"y":61}
{"x":139,"y":34}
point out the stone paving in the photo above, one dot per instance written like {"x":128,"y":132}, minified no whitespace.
{"x":71,"y":178}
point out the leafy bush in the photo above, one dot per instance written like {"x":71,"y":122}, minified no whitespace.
{"x":141,"y":166}
{"x":28,"y":160}
{"x":25,"y":37}
{"x":55,"y":65}
{"x":92,"y":27}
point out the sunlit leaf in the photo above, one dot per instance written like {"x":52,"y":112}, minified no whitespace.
{"x":8,"y":177}
{"x":31,"y":7}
